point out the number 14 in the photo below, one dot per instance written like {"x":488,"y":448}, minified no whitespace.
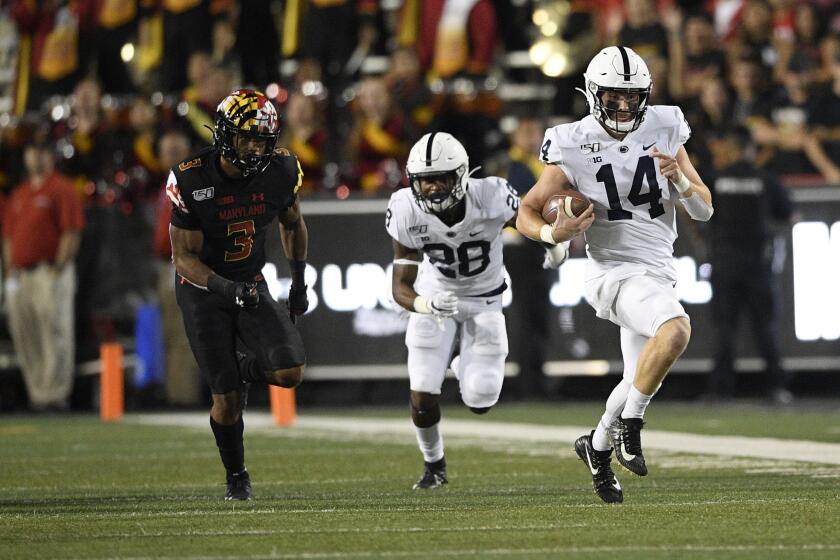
{"x":646,"y":169}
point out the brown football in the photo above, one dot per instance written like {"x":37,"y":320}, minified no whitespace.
{"x":572,"y":202}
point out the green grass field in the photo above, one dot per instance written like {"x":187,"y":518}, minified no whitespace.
{"x":73,"y":487}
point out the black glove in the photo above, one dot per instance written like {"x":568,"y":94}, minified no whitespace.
{"x":243,"y":294}
{"x":298,"y":302}
{"x":246,"y":294}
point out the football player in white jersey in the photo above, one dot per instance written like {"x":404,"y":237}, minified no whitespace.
{"x":629,"y":159}
{"x":448,"y":270}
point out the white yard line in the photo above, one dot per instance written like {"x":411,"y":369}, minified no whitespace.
{"x":499,"y":432}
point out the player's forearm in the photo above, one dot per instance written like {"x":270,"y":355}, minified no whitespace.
{"x":529,"y":222}
{"x":700,"y":190}
{"x":402,"y":285}
{"x":405,"y":296}
{"x":190,"y":267}
{"x":295,"y":240}
{"x":697,"y":200}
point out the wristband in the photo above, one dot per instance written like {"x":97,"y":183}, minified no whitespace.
{"x":297,"y":268}
{"x":421,"y":305}
{"x":683,"y":184}
{"x":547,"y":234}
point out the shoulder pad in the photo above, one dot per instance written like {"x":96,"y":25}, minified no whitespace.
{"x":289,"y":163}
{"x":669,"y":121}
{"x":668,"y":117}
{"x":563,"y":136}
{"x":201,"y":159}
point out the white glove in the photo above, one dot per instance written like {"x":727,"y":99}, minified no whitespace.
{"x":556,"y":255}
{"x":444,"y":304}
{"x":441,"y":305}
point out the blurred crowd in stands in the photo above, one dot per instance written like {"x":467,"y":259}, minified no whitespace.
{"x":123,"y":89}
{"x":358,"y":81}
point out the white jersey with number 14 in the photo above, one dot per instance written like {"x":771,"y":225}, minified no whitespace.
{"x":634,"y":207}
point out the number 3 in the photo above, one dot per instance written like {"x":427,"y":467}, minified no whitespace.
{"x":245,"y":241}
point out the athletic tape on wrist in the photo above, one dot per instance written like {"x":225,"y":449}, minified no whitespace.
{"x":547,"y":235}
{"x":421,"y":305}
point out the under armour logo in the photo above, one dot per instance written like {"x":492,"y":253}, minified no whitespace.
{"x":257,"y":196}
{"x":544,"y":150}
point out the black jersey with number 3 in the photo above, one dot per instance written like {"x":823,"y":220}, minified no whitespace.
{"x":233,"y":214}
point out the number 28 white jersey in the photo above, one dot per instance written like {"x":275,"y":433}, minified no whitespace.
{"x":634,"y":207}
{"x":466,"y":258}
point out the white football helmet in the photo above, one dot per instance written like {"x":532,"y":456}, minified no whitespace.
{"x":618,"y":70}
{"x":438,"y":154}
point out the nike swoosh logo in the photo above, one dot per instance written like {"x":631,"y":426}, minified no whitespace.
{"x":624,"y":453}
{"x":474,"y":233}
{"x":489,"y":301}
{"x":646,"y":148}
{"x":593,"y":470}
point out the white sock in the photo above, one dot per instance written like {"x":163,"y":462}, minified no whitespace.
{"x":430,"y":442}
{"x":637,"y":403}
{"x":615,"y":402}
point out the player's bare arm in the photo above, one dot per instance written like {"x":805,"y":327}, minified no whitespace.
{"x":529,"y":221}
{"x":293,"y":233}
{"x":680,"y":172}
{"x":441,"y":305}
{"x":186,"y":247}
{"x":295,"y":238}
{"x":405,"y":273}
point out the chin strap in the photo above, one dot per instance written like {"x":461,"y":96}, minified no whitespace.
{"x":586,"y":95}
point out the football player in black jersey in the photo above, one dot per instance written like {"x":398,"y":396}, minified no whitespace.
{"x":223,"y":200}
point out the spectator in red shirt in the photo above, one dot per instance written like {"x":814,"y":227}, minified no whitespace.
{"x":41,"y":231}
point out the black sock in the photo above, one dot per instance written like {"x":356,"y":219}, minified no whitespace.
{"x":438,"y":465}
{"x":249,"y":369}
{"x":230,"y":444}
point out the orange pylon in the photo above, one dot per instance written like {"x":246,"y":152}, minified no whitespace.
{"x":111,"y":390}
{"x":283,"y":407}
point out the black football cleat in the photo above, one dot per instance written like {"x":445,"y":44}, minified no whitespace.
{"x":434,"y":476}
{"x":625,"y":436}
{"x":238,"y":487}
{"x":598,"y":462}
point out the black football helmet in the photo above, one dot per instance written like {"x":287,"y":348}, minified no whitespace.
{"x":246,"y":130}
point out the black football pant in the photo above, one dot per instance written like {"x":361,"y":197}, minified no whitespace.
{"x":214,"y":325}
